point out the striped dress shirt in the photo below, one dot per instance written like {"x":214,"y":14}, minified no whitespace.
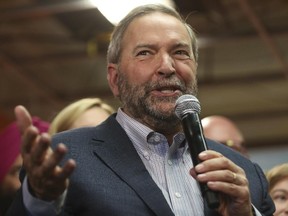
{"x":168,"y":165}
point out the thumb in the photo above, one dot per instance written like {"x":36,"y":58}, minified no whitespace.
{"x":23,"y":118}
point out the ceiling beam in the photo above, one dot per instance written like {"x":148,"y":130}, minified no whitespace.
{"x":8,"y":66}
{"x":247,"y":79}
{"x":264,"y":35}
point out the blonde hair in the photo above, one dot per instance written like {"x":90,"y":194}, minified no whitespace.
{"x":276,"y":174}
{"x":66,"y":117}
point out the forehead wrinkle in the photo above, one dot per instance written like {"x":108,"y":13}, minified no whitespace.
{"x":145,"y":45}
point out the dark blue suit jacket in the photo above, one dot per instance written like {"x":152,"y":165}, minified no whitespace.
{"x":110,"y":178}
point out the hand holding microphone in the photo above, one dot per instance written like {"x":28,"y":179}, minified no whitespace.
{"x":187,"y":108}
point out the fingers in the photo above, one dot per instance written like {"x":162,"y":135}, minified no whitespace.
{"x":217,"y":167}
{"x":234,"y":178}
{"x":224,"y":176}
{"x":67,"y":169}
{"x":221,"y":174}
{"x":212,"y":160}
{"x":230,"y":189}
{"x":23,"y":118}
{"x":50,"y":168}
{"x":28,"y":140}
{"x":28,"y":132}
{"x":47,"y":179}
{"x":41,"y":149}
{"x":225,"y":181}
{"x":51,"y":162}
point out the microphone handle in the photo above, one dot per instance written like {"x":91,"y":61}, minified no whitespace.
{"x":194,"y":135}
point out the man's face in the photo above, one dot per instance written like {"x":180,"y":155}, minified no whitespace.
{"x":156,"y":67}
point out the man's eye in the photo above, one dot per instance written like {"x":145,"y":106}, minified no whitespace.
{"x":182,"y":52}
{"x":144,"y":52}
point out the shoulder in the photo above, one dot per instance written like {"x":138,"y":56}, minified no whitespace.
{"x":226,"y":151}
{"x":86,"y":132}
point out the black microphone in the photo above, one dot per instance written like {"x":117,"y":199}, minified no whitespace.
{"x":187,"y":109}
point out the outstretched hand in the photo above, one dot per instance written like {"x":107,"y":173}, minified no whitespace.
{"x":224,"y":176}
{"x":46,"y":179}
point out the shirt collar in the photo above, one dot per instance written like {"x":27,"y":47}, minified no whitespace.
{"x":142,"y":136}
{"x":136,"y":131}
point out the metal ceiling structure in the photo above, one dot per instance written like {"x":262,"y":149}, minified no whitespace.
{"x":53,"y":52}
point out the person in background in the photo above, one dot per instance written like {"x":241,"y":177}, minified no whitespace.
{"x":137,"y":162}
{"x":225,"y":131}
{"x":278,"y":188}
{"x":81,"y":113}
{"x":11,"y":161}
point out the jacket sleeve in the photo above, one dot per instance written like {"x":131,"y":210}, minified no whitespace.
{"x":17,"y":207}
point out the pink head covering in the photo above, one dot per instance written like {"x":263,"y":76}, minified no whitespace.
{"x":10,"y":141}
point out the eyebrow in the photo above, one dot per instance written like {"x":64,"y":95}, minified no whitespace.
{"x":140,"y":46}
{"x":182,"y":45}
{"x":153,"y":46}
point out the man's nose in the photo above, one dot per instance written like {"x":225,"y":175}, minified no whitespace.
{"x":166,"y":65}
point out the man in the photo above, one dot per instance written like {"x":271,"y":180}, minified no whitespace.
{"x":11,"y":161}
{"x":225,"y":131}
{"x":137,"y":161}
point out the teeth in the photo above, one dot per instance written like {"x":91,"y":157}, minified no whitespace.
{"x":167,"y":91}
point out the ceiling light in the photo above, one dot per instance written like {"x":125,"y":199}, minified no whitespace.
{"x":115,"y":10}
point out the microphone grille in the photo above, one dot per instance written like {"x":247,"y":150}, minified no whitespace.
{"x":187,"y":104}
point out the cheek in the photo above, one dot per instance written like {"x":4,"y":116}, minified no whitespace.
{"x":280,"y":206}
{"x":187,"y":71}
{"x":139,"y":73}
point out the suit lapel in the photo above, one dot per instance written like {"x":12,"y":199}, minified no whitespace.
{"x":116,"y":150}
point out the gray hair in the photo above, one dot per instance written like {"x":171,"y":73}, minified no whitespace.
{"x":115,"y":46}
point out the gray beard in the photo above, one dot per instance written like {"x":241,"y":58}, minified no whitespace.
{"x":145,"y":108}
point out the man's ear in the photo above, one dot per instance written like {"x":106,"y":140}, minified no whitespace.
{"x":112,"y":77}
